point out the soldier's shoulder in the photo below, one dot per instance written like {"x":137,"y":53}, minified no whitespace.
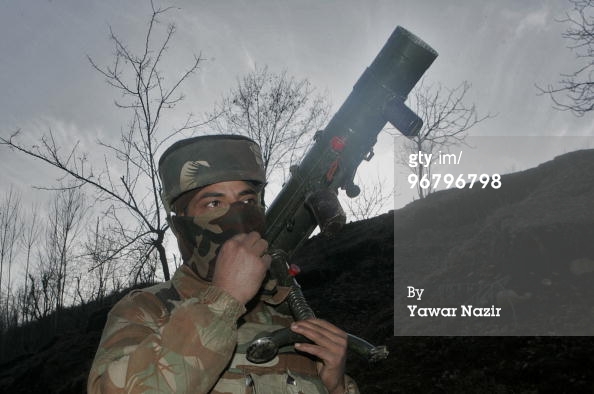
{"x":156,"y":288}
{"x":147,"y":299}
{"x":166,"y":293}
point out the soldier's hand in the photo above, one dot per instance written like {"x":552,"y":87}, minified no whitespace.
{"x":241,"y":266}
{"x":330,"y":346}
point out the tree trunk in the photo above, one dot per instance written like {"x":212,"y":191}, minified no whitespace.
{"x":162,"y":256}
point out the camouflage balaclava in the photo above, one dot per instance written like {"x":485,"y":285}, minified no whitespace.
{"x":190,"y":164}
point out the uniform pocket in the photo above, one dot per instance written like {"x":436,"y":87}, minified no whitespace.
{"x":287,"y":383}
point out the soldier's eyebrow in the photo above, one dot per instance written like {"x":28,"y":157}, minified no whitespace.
{"x":211,"y":194}
{"x":247,"y":192}
{"x":242,"y":193}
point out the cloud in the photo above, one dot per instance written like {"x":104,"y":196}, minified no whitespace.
{"x":536,"y":20}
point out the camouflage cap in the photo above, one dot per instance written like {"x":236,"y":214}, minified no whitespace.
{"x":200,"y":161}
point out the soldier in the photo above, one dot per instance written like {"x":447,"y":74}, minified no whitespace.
{"x":190,"y":334}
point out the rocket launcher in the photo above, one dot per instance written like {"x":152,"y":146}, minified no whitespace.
{"x":309,"y":198}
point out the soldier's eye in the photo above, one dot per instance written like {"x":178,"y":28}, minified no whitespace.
{"x":213,"y":204}
{"x":249,"y":201}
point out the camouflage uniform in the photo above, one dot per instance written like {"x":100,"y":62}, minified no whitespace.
{"x":186,"y":335}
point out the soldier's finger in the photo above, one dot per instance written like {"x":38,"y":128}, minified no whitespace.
{"x":314,"y":350}
{"x":239,"y":237}
{"x":260,"y":247}
{"x":320,"y":333}
{"x":326,"y":326}
{"x":329,"y":358}
{"x":267,"y":260}
{"x":252,"y":238}
{"x":316,"y":334}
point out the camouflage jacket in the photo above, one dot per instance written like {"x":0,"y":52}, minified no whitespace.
{"x":182,"y":336}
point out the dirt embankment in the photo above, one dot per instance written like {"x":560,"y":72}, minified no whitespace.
{"x":533,"y":236}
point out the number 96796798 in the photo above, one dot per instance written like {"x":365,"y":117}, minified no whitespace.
{"x":448,"y":181}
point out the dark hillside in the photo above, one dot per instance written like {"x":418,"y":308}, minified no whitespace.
{"x":533,"y":238}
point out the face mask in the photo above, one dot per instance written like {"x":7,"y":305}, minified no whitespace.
{"x":201,"y":237}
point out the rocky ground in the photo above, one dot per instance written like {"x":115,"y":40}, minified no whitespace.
{"x":529,"y":245}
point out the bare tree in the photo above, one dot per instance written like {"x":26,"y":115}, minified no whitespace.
{"x":103,"y":268}
{"x":446,"y":121}
{"x":132,"y":196}
{"x":10,"y":230}
{"x":369,"y":203}
{"x":28,"y":240}
{"x":575,"y":90}
{"x":277,"y":111}
{"x":40,"y":297}
{"x":63,"y":226}
{"x":52,"y":275}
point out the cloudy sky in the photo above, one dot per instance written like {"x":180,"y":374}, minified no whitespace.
{"x":503,"y":48}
